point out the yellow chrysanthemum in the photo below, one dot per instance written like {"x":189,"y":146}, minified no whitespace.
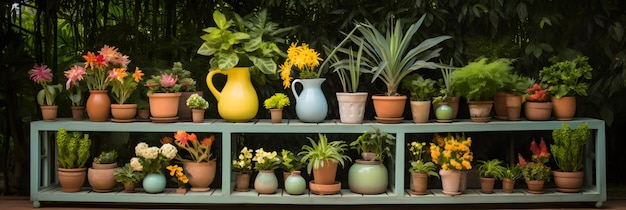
{"x":467,"y":164}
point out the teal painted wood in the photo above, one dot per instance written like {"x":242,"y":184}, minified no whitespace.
{"x":44,"y":187}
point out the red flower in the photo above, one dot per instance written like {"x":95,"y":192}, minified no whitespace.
{"x":522,"y":161}
{"x":182,"y":137}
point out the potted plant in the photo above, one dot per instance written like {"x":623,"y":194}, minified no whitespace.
{"x":322,"y":158}
{"x":478,"y":81}
{"x":178,"y":177}
{"x":275,"y":104}
{"x":536,"y":173}
{"x":368,"y":175}
{"x":128,"y":177}
{"x":187,"y":88}
{"x":152,"y":160}
{"x":45,"y":97}
{"x":537,"y":105}
{"x":512,"y":173}
{"x":447,"y":97}
{"x":567,"y":151}
{"x":422,"y":90}
{"x":143,"y":110}
{"x":72,"y":154}
{"x":265,"y":163}
{"x":198,"y":105}
{"x":240,"y":46}
{"x":452,"y":153}
{"x":351,"y":103}
{"x":291,"y":165}
{"x":75,"y":91}
{"x":508,"y":101}
{"x":101,"y":174}
{"x":390,"y":50}
{"x":565,"y":80}
{"x":489,"y":171}
{"x":197,"y":159}
{"x":163,"y":96}
{"x":123,"y":86}
{"x":420,"y":168}
{"x":243,"y":168}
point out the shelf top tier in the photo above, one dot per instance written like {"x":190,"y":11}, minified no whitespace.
{"x":296,"y":126}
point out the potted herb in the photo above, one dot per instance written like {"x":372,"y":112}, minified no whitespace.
{"x":101,"y":174}
{"x":123,"y":86}
{"x":72,"y":154}
{"x":197,"y":159}
{"x":351,"y":103}
{"x":447,"y":96}
{"x":242,"y":167}
{"x":128,"y":177}
{"x":75,"y":91}
{"x":368,"y":175}
{"x":489,"y":171}
{"x":478,"y":81}
{"x":187,"y":88}
{"x":420,"y":168}
{"x":291,"y":165}
{"x":537,"y":105}
{"x":241,"y":46}
{"x":422,"y":90}
{"x":143,"y":110}
{"x":565,"y":80}
{"x":508,"y":101}
{"x":275,"y":104}
{"x":512,"y":173}
{"x":536,"y":173}
{"x":374,"y":145}
{"x":198,"y":105}
{"x":45,"y":97}
{"x":567,"y":151}
{"x":390,"y":51}
{"x":323,"y":157}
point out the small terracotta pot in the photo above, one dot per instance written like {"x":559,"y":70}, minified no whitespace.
{"x":419,"y":185}
{"x":98,"y":105}
{"x":508,"y":185}
{"x":325,"y":189}
{"x":124,"y":111}
{"x":164,"y":105}
{"x":326,"y":174}
{"x":242,"y":182}
{"x":535,"y":186}
{"x":276,"y":115}
{"x":184,"y":112}
{"x":480,"y":110}
{"x":568,"y":182}
{"x":201,"y":175}
{"x":368,"y":156}
{"x":564,"y":107}
{"x":513,"y":106}
{"x":197,"y":115}
{"x":72,"y":179}
{"x":181,"y":190}
{"x":49,"y":113}
{"x":143,"y":114}
{"x":499,"y":105}
{"x":389,"y":106}
{"x":420,"y":110}
{"x":450,"y":181}
{"x":101,"y":177}
{"x":78,"y":113}
{"x":486,"y":185}
{"x":537,"y":110}
{"x":130,"y":187}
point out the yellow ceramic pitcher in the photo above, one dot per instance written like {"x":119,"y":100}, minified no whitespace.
{"x":238,"y":101}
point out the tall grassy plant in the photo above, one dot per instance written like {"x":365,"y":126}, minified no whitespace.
{"x":323,"y":150}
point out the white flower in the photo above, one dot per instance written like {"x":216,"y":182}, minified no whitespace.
{"x":134,"y":162}
{"x":169,"y":151}
{"x":140,"y":148}
{"x":151,"y":153}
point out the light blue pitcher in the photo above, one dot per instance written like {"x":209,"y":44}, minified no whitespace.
{"x":311,"y":105}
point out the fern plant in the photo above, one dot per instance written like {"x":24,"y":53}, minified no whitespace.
{"x":322,"y":150}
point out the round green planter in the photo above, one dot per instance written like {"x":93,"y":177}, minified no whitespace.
{"x":368,"y":177}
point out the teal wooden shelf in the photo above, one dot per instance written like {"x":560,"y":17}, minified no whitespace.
{"x":44,"y":185}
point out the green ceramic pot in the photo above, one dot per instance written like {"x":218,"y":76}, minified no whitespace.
{"x":368,"y":177}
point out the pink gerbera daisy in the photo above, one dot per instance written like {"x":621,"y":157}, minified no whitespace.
{"x":74,"y":75}
{"x":40,"y":74}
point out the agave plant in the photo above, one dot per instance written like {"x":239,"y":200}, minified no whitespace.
{"x":390,"y":51}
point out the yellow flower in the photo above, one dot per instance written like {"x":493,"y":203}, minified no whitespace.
{"x":137,"y":75}
{"x":467,"y":164}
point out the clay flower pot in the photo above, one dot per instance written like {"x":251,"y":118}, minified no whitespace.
{"x":201,"y":175}
{"x":276,"y":115}
{"x":419,"y":183}
{"x":420,"y":110}
{"x":537,"y":110}
{"x":242,"y":182}
{"x":325,"y":174}
{"x":508,"y":185}
{"x":197,"y":115}
{"x":564,"y":107}
{"x":123,"y":112}
{"x":72,"y":179}
{"x":101,"y":178}
{"x":568,"y":182}
{"x":450,"y":181}
{"x":164,"y":105}
{"x":480,"y":110}
{"x":98,"y":105}
{"x":351,"y":107}
{"x":49,"y":113}
{"x":486,"y":185}
{"x":78,"y":113}
{"x":535,"y":186}
{"x":389,"y":109}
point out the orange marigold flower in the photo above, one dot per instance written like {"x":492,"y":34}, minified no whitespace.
{"x":166,"y":140}
{"x":208,"y":141}
{"x":181,"y":136}
{"x":90,"y":60}
{"x":192,"y":137}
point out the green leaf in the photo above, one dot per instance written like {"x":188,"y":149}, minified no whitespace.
{"x":266,"y":65}
{"x":546,"y":47}
{"x":544,"y":20}
{"x":616,"y":31}
{"x":253,"y":44}
{"x":522,"y":11}
{"x":207,"y":50}
{"x":227,"y":60}
{"x":220,"y":20}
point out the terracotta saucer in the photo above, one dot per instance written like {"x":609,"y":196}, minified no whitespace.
{"x":389,"y":120}
{"x":164,"y":119}
{"x":416,"y":193}
{"x":325,"y":189}
{"x":451,"y":193}
{"x":122,"y":121}
{"x":535,"y":192}
{"x":480,"y":119}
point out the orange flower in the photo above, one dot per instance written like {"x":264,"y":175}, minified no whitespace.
{"x":208,"y":141}
{"x":166,"y":140}
{"x":181,"y":136}
{"x":192,"y":137}
{"x":90,"y":60}
{"x":119,"y":74}
{"x":138,"y":74}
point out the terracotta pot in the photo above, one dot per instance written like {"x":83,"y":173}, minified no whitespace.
{"x":326,"y":173}
{"x":98,"y":105}
{"x":420,"y":110}
{"x":164,"y":105}
{"x":276,"y":115}
{"x":535,"y":186}
{"x":368,"y":156}
{"x":130,"y":187}
{"x":184,"y":112}
{"x":78,"y":113}
{"x":513,"y":106}
{"x":143,"y":114}
{"x":537,"y":110}
{"x":124,"y":111}
{"x":450,"y":181}
{"x":351,"y":107}
{"x":181,"y":190}
{"x":101,"y":178}
{"x":486,"y":185}
{"x":568,"y":182}
{"x":564,"y":107}
{"x":499,"y":105}
{"x":242,"y":182}
{"x":325,"y":189}
{"x":197,"y":115}
{"x":419,"y":183}
{"x":72,"y":179}
{"x":200,"y":175}
{"x":480,"y":111}
{"x":49,"y":113}
{"x":389,"y":107}
{"x":508,"y":185}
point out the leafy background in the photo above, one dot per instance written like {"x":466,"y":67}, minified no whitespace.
{"x":156,"y":33}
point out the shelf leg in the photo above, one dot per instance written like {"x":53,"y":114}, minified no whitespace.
{"x":599,"y":204}
{"x":36,"y":204}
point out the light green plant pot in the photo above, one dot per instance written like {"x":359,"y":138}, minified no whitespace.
{"x":368,"y":177}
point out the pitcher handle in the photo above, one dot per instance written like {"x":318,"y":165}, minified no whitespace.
{"x":293,"y":88}
{"x":209,"y":83}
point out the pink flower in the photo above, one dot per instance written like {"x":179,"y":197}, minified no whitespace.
{"x":150,"y":85}
{"x":40,"y":74}
{"x":74,"y":75}
{"x":522,"y":162}
{"x":534,"y":148}
{"x":168,"y":81}
{"x":108,"y":53}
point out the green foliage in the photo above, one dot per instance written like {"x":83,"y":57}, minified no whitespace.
{"x":73,"y":149}
{"x":567,"y":77}
{"x":568,"y":146}
{"x":491,"y":169}
{"x":76,"y":95}
{"x":106,"y":157}
{"x":377,"y":142}
{"x":536,"y":171}
{"x":317,"y":153}
{"x":127,"y":175}
{"x":48,"y":94}
{"x":350,"y":69}
{"x":481,"y":79}
{"x":122,"y":90}
{"x":277,"y":101}
{"x":512,"y":172}
{"x":517,"y":84}
{"x":421,"y":89}
{"x":250,"y":41}
{"x":196,"y":101}
{"x":390,"y":51}
{"x":425,"y":168}
{"x":187,"y":83}
{"x":290,"y":162}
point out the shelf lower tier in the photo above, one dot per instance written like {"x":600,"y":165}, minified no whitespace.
{"x":345,"y":197}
